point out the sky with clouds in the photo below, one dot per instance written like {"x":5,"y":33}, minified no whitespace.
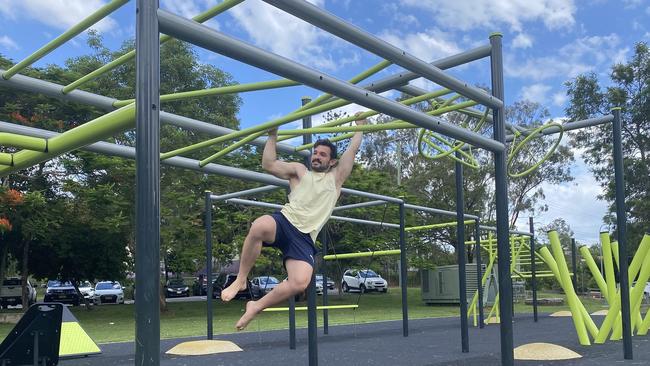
{"x":546,"y":43}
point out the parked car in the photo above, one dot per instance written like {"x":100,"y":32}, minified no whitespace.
{"x":225,"y":280}
{"x":363,"y":280}
{"x":12,"y":292}
{"x":87,"y":290}
{"x":109,"y":292}
{"x":176,"y":287}
{"x":262,"y":285}
{"x":330,"y":283}
{"x":61,"y":291}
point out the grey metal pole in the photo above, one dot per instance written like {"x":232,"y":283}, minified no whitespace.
{"x":621,"y":229}
{"x":403,"y":267}
{"x":460,"y":254}
{"x":533,"y":268}
{"x":147,"y":258}
{"x":208,"y":260}
{"x":574,"y":259}
{"x":501,"y":182}
{"x":479,"y":273}
{"x":336,"y":26}
{"x":213,"y":40}
{"x":325,"y":238}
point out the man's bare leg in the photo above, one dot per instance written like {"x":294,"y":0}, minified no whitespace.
{"x":262,"y":230}
{"x":299,"y":275}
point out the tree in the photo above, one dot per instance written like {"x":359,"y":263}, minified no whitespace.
{"x":628,"y":88}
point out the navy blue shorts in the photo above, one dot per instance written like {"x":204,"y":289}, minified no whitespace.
{"x":292,"y":242}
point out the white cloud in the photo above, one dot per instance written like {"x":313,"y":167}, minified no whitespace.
{"x":535,"y":93}
{"x":559,"y":99}
{"x":286,"y":35}
{"x":8,"y":43}
{"x":469,"y":14}
{"x":59,"y":14}
{"x":428,"y":45}
{"x":580,"y":56}
{"x":522,"y":40}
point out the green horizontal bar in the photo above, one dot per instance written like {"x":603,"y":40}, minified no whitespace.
{"x":371,"y":113}
{"x":66,"y":36}
{"x":230,"y":89}
{"x":322,"y":307}
{"x":436,"y":112}
{"x":96,"y":130}
{"x":247,"y":131}
{"x":23,"y":142}
{"x":6,"y":159}
{"x":438,"y":226}
{"x":361,"y":254}
{"x":208,"y":14}
{"x":536,"y":276}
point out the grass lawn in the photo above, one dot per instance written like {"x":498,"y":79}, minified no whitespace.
{"x":114,"y":323}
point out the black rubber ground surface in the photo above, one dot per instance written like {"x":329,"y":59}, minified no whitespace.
{"x":430,"y":342}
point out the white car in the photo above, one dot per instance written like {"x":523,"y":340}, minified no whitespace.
{"x":363,"y":280}
{"x":109,"y":292}
{"x":87,"y":290}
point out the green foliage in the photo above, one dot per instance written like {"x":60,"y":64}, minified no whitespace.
{"x":628,"y":88}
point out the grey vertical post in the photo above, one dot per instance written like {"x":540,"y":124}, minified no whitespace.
{"x":501,"y":182}
{"x":403,"y":267}
{"x":533,"y":266}
{"x":312,"y":319}
{"x":292,"y":322}
{"x":208,"y":260}
{"x":621,"y":228}
{"x":311,"y":322}
{"x":325,"y":238}
{"x":460,"y":254}
{"x":147,"y":258}
{"x":574,"y":259}
{"x":479,"y":274}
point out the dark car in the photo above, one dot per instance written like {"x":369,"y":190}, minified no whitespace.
{"x":176,"y":287}
{"x":330,"y":283}
{"x":225,"y":280}
{"x":61,"y":291}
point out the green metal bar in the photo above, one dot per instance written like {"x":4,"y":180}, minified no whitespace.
{"x":435,"y":112}
{"x":595,"y":272}
{"x":438,"y":226}
{"x":303,"y":308}
{"x":365,"y":128}
{"x":230,"y":89}
{"x":361,"y":254}
{"x":572,"y":298}
{"x":363,"y":75}
{"x":609,"y":265}
{"x":6,"y":159}
{"x":230,"y":148}
{"x":66,"y":36}
{"x":208,"y":14}
{"x":96,"y":130}
{"x":261,"y":127}
{"x":23,"y":142}
{"x":371,"y":113}
{"x":614,"y":246}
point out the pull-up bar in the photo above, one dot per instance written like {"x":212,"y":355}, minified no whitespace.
{"x":438,"y":226}
{"x":377,"y":253}
{"x":303,"y":308}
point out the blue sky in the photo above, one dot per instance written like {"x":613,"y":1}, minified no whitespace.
{"x":546,"y":43}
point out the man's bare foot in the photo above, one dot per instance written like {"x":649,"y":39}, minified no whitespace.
{"x":231,"y":291}
{"x":251,"y":311}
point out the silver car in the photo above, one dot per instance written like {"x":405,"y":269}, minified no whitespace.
{"x":262,"y":285}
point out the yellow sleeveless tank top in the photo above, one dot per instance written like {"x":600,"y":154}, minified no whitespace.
{"x":311,"y":202}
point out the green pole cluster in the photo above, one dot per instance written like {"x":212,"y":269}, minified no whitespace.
{"x":66,"y":36}
{"x":206,"y":15}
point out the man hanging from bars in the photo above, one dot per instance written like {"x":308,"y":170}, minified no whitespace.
{"x":294,"y":229}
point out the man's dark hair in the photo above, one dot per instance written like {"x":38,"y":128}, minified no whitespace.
{"x":328,"y":143}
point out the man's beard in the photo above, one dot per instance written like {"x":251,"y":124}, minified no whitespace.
{"x":320,"y":168}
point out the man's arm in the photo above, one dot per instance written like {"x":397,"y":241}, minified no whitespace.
{"x":272,"y":165}
{"x":346,"y":162}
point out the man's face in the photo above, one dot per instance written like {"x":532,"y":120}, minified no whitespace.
{"x":320,"y":159}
